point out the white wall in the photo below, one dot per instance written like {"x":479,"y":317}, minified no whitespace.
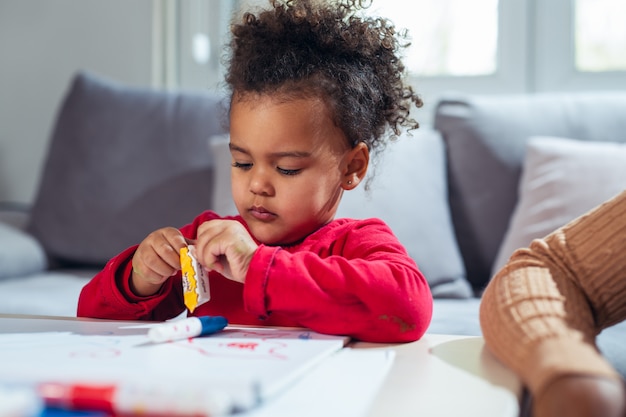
{"x":42,"y":44}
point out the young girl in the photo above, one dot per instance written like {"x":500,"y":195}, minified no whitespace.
{"x":314,"y":89}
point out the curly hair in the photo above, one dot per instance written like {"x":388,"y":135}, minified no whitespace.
{"x":305,"y":48}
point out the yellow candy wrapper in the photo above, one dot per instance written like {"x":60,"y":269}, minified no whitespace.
{"x":195,"y":279}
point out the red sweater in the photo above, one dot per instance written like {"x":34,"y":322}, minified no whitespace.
{"x":350,"y":277}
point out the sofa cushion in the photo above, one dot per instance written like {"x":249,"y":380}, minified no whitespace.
{"x":123,"y":162}
{"x":561,"y":180}
{"x":20,"y":253}
{"x":408,"y":191}
{"x":48,"y":293}
{"x":222,"y":195}
{"x":611,"y":344}
{"x":486,"y":140}
{"x":458,"y":317}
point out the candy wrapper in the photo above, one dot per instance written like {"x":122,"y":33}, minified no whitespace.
{"x":195,"y":279}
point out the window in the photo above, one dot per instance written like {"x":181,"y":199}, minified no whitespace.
{"x":188,"y":41}
{"x":600,"y":30}
{"x":445,"y":39}
{"x":567,"y":35}
{"x":477,"y":46}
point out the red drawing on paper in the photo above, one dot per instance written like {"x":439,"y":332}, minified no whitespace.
{"x":243,"y":345}
{"x":264,"y":349}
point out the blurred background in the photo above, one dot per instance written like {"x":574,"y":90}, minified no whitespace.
{"x":477,"y":46}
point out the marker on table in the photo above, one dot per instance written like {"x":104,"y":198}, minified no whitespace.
{"x":186,"y":328}
{"x":138,"y":398}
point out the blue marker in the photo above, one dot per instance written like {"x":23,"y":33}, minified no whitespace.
{"x":186,"y":328}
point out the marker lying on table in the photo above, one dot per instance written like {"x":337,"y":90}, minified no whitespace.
{"x":186,"y":328}
{"x":138,"y":399}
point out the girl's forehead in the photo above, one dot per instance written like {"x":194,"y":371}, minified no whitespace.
{"x":272,"y":119}
{"x":279,"y":98}
{"x":276,"y":112}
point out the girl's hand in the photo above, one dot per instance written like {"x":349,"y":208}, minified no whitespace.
{"x":157,"y":258}
{"x":225,"y":246}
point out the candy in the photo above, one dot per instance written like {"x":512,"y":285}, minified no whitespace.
{"x":195,"y":279}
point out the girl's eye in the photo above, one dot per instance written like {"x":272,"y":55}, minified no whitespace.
{"x":242,"y":166}
{"x":288,"y":171}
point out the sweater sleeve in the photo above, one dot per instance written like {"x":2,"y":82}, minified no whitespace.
{"x":108,"y":295}
{"x":366,"y":286}
{"x":541,"y":313}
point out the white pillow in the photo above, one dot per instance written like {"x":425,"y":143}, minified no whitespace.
{"x":561,"y":180}
{"x":223,"y":203}
{"x":20,"y":253}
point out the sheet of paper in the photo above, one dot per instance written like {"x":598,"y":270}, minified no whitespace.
{"x":249,"y":362}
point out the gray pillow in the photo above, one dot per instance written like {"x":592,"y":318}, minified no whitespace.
{"x":123,"y":162}
{"x":409,"y":193}
{"x":486,"y":140}
{"x":20,"y":253}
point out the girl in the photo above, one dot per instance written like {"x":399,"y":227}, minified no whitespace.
{"x":313,"y":90}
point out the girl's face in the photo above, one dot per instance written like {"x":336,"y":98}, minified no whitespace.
{"x":288,"y":163}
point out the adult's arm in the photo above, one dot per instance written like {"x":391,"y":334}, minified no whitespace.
{"x":541,"y":313}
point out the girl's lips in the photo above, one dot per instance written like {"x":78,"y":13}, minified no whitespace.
{"x":261,"y":213}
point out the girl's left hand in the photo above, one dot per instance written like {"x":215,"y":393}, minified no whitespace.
{"x":225,"y":246}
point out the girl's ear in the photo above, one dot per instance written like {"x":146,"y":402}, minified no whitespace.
{"x":357,"y":161}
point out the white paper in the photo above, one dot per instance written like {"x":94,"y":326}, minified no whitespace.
{"x":250,"y":362}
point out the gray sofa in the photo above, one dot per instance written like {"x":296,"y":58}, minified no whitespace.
{"x":125,"y":161}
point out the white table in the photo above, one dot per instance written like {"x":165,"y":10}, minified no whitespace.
{"x":439,"y":375}
{"x":446,"y":375}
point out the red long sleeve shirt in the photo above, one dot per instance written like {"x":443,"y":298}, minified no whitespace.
{"x":350,"y":277}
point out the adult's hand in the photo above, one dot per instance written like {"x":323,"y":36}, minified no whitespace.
{"x":582,"y":396}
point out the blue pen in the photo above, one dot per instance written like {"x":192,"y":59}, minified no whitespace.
{"x":186,"y":328}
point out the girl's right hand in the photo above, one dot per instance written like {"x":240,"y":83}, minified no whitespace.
{"x":156,"y":259}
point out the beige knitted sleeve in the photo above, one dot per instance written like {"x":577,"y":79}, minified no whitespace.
{"x":541,"y":313}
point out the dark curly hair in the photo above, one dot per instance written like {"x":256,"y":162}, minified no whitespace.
{"x":313,"y":48}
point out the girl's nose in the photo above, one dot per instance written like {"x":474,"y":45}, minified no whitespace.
{"x":260,"y":183}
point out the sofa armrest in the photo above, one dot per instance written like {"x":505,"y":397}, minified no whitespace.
{"x":20,"y":253}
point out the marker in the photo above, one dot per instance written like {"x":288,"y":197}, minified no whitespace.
{"x":138,"y":398}
{"x":186,"y":328}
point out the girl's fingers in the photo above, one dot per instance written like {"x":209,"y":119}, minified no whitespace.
{"x":226,"y":247}
{"x":167,"y":251}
